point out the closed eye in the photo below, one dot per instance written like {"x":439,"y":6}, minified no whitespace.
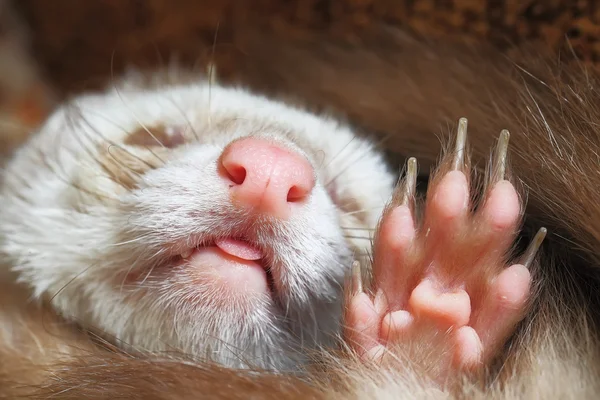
{"x":160,"y":135}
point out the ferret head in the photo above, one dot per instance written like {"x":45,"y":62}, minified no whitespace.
{"x":203,"y":221}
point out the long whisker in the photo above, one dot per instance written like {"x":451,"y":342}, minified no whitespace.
{"x":66,"y":181}
{"x":71,"y":281}
{"x":131,"y":268}
{"x":211,"y":75}
{"x":73,"y":125}
{"x":92,"y":154}
{"x":126,"y":168}
{"x":189,"y":123}
{"x":111,"y":142}
{"x":118,"y":91}
{"x":124,"y":131}
{"x":139,"y":238}
{"x":338,"y":154}
{"x":357,"y":237}
{"x":360,"y":211}
{"x":350,"y":164}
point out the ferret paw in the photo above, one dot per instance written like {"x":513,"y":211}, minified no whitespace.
{"x":442,"y":282}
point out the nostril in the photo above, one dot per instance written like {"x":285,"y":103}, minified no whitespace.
{"x":296,"y":194}
{"x":235,"y":172}
{"x":266,"y":178}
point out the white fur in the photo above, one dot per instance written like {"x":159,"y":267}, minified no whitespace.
{"x":72,"y":234}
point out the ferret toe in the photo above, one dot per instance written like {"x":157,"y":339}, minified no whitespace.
{"x":445,"y":278}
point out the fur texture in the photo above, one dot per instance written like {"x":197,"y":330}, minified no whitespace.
{"x":407,"y":90}
{"x":101,"y":228}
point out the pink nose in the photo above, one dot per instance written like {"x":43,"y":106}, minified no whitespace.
{"x":266,"y":177}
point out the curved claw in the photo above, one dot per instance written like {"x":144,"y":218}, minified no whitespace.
{"x":529,"y":255}
{"x":404,"y":195}
{"x":499,"y":169}
{"x":357,"y":286}
{"x":410,"y":184}
{"x":461,"y":142}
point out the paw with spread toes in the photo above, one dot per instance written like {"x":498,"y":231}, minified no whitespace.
{"x":441,"y":283}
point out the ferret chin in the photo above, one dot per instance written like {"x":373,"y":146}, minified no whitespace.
{"x":194,"y":220}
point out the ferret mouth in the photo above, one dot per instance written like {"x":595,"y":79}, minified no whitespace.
{"x":239,"y":248}
{"x":241,"y":263}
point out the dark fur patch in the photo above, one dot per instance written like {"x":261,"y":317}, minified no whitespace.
{"x":126,"y":167}
{"x":162,"y":136}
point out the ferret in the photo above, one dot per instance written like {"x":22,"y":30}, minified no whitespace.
{"x":194,"y":240}
{"x":180,"y":179}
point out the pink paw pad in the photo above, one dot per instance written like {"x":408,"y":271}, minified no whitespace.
{"x":445,"y":278}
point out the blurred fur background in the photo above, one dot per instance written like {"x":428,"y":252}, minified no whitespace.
{"x":53,"y":49}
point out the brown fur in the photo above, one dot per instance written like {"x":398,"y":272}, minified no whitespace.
{"x":154,"y":136}
{"x":412,"y":92}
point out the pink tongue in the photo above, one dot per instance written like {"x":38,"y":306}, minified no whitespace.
{"x":239,"y":249}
